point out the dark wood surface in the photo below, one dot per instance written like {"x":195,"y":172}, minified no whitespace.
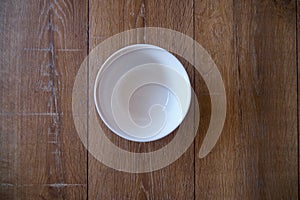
{"x":255,"y":46}
{"x":42,"y":46}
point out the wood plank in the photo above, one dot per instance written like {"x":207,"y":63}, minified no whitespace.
{"x":175,"y":181}
{"x":214,"y":31}
{"x":253,"y":44}
{"x":108,"y":18}
{"x":42,"y":46}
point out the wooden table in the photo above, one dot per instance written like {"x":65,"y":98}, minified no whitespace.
{"x":255,"y":46}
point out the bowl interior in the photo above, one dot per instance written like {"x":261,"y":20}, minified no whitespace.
{"x":150,"y":99}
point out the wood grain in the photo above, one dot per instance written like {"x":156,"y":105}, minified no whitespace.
{"x":214,"y":31}
{"x":175,"y":181}
{"x":253,"y":44}
{"x":42,"y":46}
{"x":108,"y":18}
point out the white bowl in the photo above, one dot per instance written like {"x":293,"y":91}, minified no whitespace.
{"x":142,"y":92}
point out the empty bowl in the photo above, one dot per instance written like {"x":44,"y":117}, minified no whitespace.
{"x":142,"y":92}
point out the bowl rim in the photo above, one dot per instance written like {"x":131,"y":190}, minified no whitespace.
{"x":113,"y":57}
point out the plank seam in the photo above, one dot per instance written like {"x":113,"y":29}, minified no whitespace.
{"x":297,"y":86}
{"x":194,"y":81}
{"x":88,"y":83}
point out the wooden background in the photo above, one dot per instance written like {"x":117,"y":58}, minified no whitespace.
{"x":253,"y":42}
